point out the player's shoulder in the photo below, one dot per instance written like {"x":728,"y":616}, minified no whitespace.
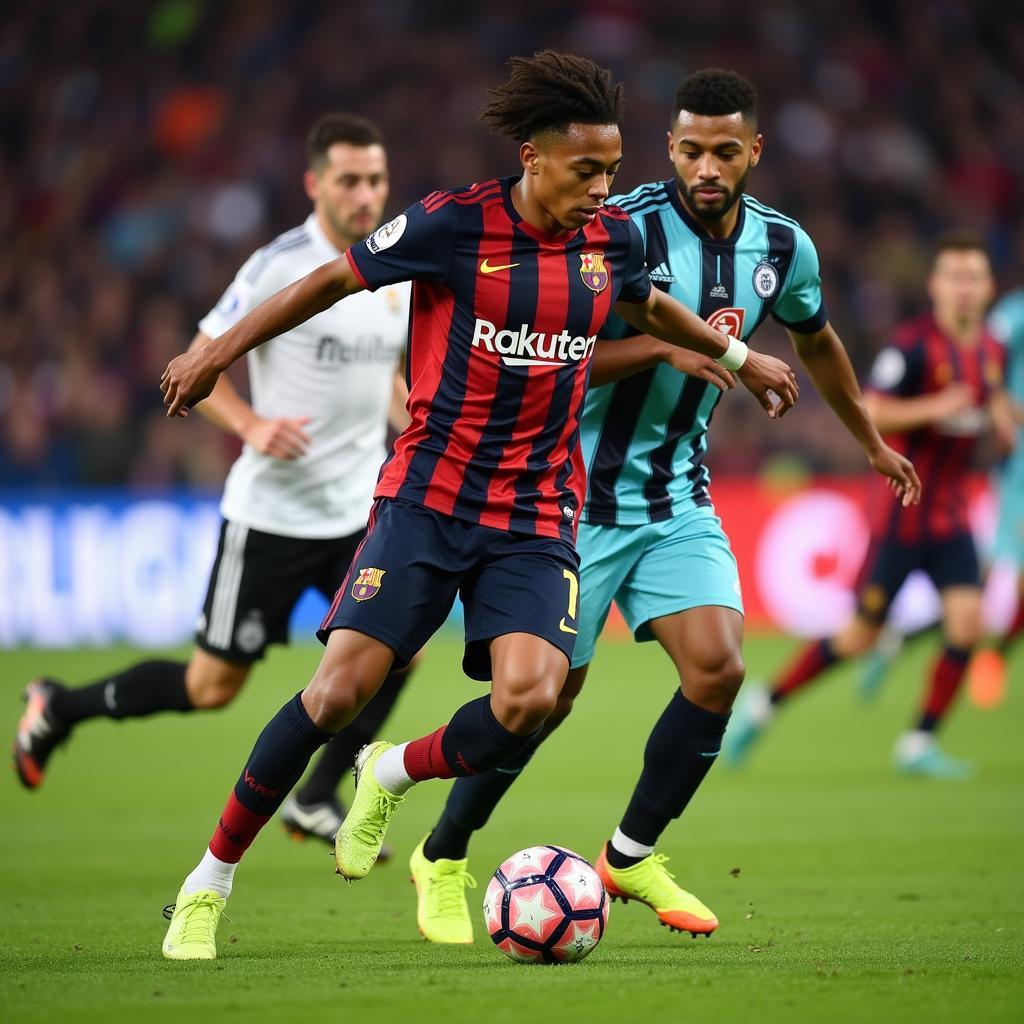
{"x":480,"y":193}
{"x":287,"y":244}
{"x":913,"y":332}
{"x":649,"y":198}
{"x":769,"y":216}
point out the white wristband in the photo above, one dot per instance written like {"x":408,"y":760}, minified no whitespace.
{"x":734,"y":356}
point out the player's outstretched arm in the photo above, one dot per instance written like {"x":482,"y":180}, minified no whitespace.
{"x":282,"y":437}
{"x":614,"y":360}
{"x":825,"y":359}
{"x":190,"y":377}
{"x":671,"y":321}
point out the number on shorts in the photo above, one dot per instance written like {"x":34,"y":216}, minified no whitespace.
{"x":574,"y":600}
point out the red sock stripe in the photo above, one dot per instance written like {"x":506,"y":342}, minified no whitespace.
{"x":425,"y":760}
{"x":946,"y":677}
{"x":1017,"y":625}
{"x":235,"y":831}
{"x":811,"y":661}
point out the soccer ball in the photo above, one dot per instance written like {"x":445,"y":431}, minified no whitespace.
{"x":546,"y":905}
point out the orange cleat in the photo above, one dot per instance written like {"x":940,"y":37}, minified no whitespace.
{"x":986,"y":679}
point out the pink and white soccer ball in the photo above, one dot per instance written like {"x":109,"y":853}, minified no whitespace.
{"x":546,"y":905}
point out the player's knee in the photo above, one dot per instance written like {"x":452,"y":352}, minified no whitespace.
{"x":525,"y":703}
{"x":715,"y":683}
{"x":559,"y":713}
{"x":213,"y":686}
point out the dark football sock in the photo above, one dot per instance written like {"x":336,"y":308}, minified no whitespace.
{"x":471,"y":743}
{"x":948,"y":673}
{"x":276,"y":763}
{"x":339,"y":755}
{"x":470,"y":804}
{"x":138,"y":691}
{"x":812,"y":661}
{"x":680,"y":751}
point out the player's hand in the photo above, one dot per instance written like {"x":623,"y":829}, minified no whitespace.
{"x":765,"y":376}
{"x":952,"y":399}
{"x":696,"y":365}
{"x":188,"y":379}
{"x":901,"y":473}
{"x":279,"y":438}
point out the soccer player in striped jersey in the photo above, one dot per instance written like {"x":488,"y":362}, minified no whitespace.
{"x":512,"y":278}
{"x":934,"y":391}
{"x":987,"y":676}
{"x":296,"y":501}
{"x":649,"y":537}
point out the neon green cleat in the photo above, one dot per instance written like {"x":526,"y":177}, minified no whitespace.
{"x":652,"y":883}
{"x":358,"y":842}
{"x":192,"y":934}
{"x":441,"y":911}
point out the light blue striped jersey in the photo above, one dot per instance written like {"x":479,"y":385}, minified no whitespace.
{"x":1006,"y":323}
{"x":644,"y":438}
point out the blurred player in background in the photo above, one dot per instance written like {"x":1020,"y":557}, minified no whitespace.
{"x":296,"y":501}
{"x":934,"y":391}
{"x":649,"y":538}
{"x":513,"y":277}
{"x":988,"y":669}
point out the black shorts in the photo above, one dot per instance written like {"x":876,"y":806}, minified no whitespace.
{"x":414,"y":561}
{"x":256,"y":582}
{"x":951,"y":562}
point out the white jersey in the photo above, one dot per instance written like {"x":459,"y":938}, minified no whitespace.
{"x":338,"y":369}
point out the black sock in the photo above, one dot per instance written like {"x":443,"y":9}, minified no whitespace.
{"x":138,"y":691}
{"x":279,"y":758}
{"x":339,"y":755}
{"x":682,"y":747}
{"x":470,"y":803}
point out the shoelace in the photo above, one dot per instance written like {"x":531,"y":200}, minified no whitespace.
{"x":168,"y":911}
{"x":448,"y":888}
{"x":373,"y":826}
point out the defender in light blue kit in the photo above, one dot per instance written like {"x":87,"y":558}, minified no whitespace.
{"x":649,"y":538}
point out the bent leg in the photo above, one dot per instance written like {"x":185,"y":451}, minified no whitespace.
{"x":473,"y":798}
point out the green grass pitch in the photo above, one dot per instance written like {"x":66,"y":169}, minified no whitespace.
{"x":858,"y":896}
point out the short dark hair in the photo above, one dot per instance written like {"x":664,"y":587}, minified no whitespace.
{"x":332,"y":128}
{"x":960,"y":240}
{"x":712,"y":92}
{"x":549,"y":92}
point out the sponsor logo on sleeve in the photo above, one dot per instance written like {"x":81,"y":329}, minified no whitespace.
{"x":387,"y":234}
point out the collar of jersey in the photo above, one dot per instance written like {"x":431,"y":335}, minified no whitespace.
{"x":695,"y":225}
{"x":316,"y":233}
{"x":528,"y":229}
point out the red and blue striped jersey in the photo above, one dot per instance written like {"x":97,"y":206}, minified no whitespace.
{"x":503,"y":325}
{"x":923,"y":360}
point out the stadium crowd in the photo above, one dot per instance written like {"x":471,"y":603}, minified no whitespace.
{"x":148,"y":148}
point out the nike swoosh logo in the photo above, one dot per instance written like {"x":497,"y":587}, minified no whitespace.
{"x":710,"y":753}
{"x":566,"y":629}
{"x":486,"y":268}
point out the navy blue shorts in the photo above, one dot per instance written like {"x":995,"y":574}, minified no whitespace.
{"x":952,"y":562}
{"x":413,"y":562}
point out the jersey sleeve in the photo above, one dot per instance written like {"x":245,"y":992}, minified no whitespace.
{"x":636,"y":282}
{"x":416,"y":244}
{"x":258,"y":279}
{"x":898,"y":370}
{"x":801,"y":306}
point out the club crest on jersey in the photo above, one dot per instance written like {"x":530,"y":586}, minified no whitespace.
{"x":766,"y":280}
{"x":728,"y":320}
{"x":593,"y":272}
{"x":367,"y":583}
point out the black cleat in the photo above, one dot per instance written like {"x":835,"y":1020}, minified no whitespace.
{"x":39,"y":733}
{"x":317,"y":821}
